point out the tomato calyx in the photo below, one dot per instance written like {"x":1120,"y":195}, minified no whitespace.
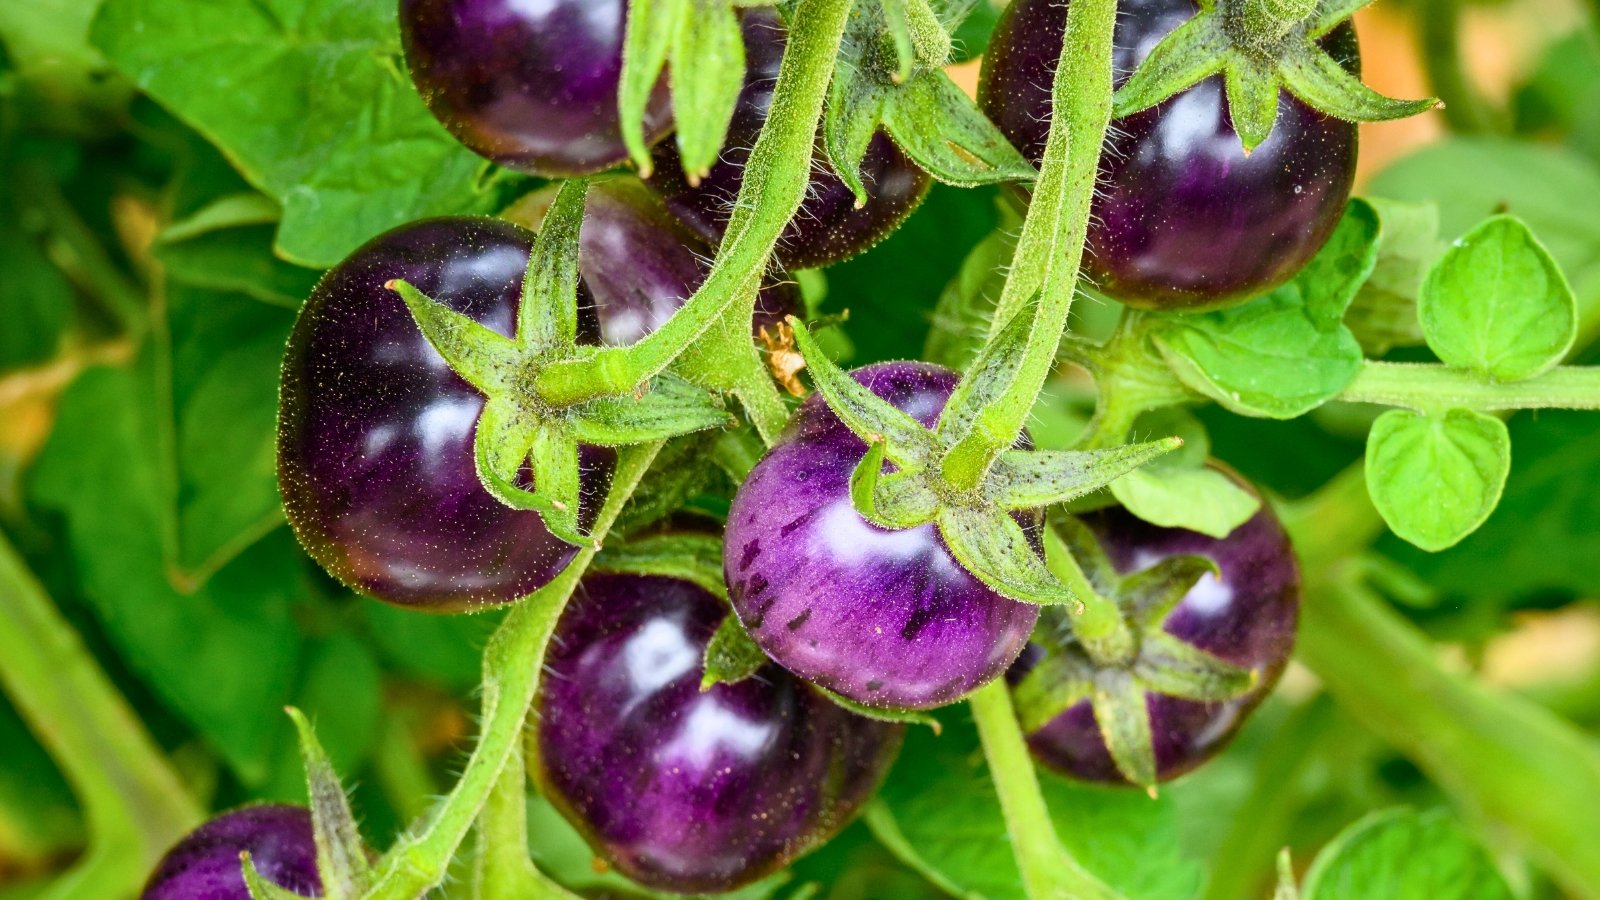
{"x":1261,"y":47}
{"x":975,"y":519}
{"x":891,"y":77}
{"x":1117,"y":653}
{"x":520,"y":429}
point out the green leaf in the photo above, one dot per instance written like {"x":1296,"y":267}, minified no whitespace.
{"x":940,"y":815}
{"x":946,"y":135}
{"x":36,"y":298}
{"x":186,"y":645}
{"x":1472,"y":178}
{"x":1405,"y":855}
{"x":1198,"y":499}
{"x":1435,"y":479}
{"x":1497,"y":304}
{"x":1384,"y":312}
{"x":253,"y":76}
{"x":236,"y":260}
{"x":1289,"y":352}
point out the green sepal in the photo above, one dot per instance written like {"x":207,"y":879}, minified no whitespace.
{"x":1253,"y":89}
{"x":1123,"y":715}
{"x":1030,"y":479}
{"x":899,"y":500}
{"x":731,"y":655}
{"x":946,"y":135}
{"x":1330,"y":13}
{"x":1193,"y":52}
{"x":547,"y":317}
{"x":258,"y":885}
{"x":906,"y":443}
{"x":486,"y":360}
{"x":652,"y":25}
{"x":505,"y":439}
{"x":672,"y":407}
{"x":342,"y":861}
{"x":993,"y":547}
{"x":1149,"y":595}
{"x":880,"y":714}
{"x":1319,"y":80}
{"x":1054,"y":685}
{"x":1286,"y":889}
{"x":1176,"y":668}
{"x":708,"y":68}
{"x":855,"y":107}
{"x":696,"y":558}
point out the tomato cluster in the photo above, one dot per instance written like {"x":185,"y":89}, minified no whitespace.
{"x":681,"y":788}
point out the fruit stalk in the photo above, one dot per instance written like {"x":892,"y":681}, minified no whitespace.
{"x":774,"y":184}
{"x":1053,"y":234}
{"x":512,"y":663}
{"x":1048,"y":870}
{"x":134,"y":803}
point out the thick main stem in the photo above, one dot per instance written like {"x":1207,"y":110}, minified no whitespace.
{"x":1053,"y":234}
{"x":511,"y":663}
{"x":775,"y":180}
{"x":135,"y":804}
{"x":1049,"y":872}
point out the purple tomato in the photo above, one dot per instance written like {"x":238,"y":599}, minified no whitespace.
{"x":375,"y":431}
{"x":681,"y":789}
{"x":1183,"y":218}
{"x":532,"y":86}
{"x":828,"y":227}
{"x":1245,"y":616}
{"x":205,"y":865}
{"x":885,"y":618}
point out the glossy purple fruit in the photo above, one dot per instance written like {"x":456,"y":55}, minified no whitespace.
{"x":828,"y":227}
{"x":1183,"y":219}
{"x":640,"y":263}
{"x":375,"y":432}
{"x":532,"y":86}
{"x":1247,"y":617}
{"x":205,"y":864}
{"x":679,"y":789}
{"x":885,"y":618}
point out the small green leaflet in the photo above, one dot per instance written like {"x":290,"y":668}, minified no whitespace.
{"x":1399,"y":854}
{"x":1497,"y":304}
{"x":1435,"y":479}
{"x":1289,"y":352}
{"x":1202,"y":500}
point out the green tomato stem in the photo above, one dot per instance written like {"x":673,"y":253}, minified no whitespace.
{"x":503,"y":869}
{"x":1051,"y":246}
{"x":775,"y":180}
{"x":1513,"y":765}
{"x":1049,"y":871}
{"x":512,"y":663}
{"x":1430,"y":387}
{"x":135,"y":805}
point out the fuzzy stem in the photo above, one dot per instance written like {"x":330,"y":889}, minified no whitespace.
{"x":1053,"y":234}
{"x":504,"y":870}
{"x":1429,"y":387}
{"x":512,"y":663}
{"x":775,"y":180}
{"x":135,"y":805}
{"x":1049,"y":871}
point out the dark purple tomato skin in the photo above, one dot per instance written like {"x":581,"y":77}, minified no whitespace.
{"x":1247,"y":616}
{"x":531,"y":86}
{"x":827,"y":228}
{"x":885,"y":618}
{"x":375,"y":431}
{"x":641,"y":264}
{"x":205,"y":864}
{"x":1183,"y":219}
{"x":683,"y":790}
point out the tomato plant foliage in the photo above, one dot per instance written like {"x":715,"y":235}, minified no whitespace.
{"x":1110,"y":452}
